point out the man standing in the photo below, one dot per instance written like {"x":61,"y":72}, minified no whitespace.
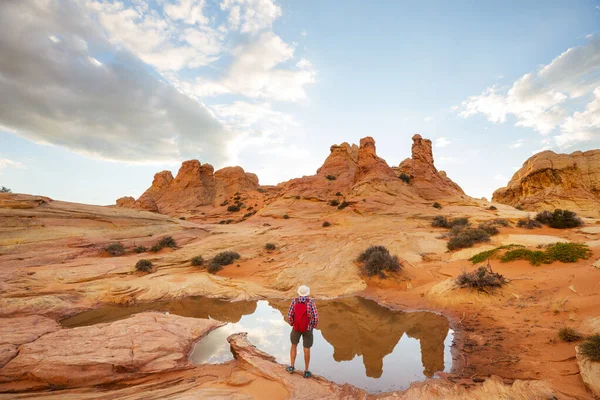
{"x":303,"y":317}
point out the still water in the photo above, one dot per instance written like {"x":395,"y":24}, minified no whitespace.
{"x":357,"y":341}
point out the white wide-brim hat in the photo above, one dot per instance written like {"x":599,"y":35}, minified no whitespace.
{"x":303,"y":290}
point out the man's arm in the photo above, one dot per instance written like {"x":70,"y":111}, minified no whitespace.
{"x":291,"y":313}
{"x":315,"y":313}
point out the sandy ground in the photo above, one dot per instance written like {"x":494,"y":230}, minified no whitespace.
{"x":52,"y":263}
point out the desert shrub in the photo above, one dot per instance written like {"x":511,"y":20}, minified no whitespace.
{"x":377,"y":260}
{"x":225,"y":257}
{"x":237,"y":198}
{"x":330,"y":178}
{"x":233,"y":208}
{"x":486,"y":255}
{"x":568,"y":252}
{"x":492,"y":208}
{"x":334,"y":203}
{"x":567,"y":334}
{"x":528,"y":223}
{"x":591,"y":348}
{"x":459,"y":222}
{"x":338,"y":193}
{"x":326,"y":224}
{"x":197,"y":261}
{"x":115,"y":249}
{"x":285,"y":216}
{"x":166,"y":241}
{"x":489,"y":227}
{"x":535,"y":257}
{"x":519,"y":207}
{"x":222,"y":222}
{"x":223,"y":204}
{"x":5,"y":190}
{"x":140,"y":249}
{"x":437,"y":205}
{"x":501,"y":222}
{"x":404,"y":177}
{"x":248,"y":215}
{"x":467,"y":237}
{"x":270,"y":246}
{"x":297,"y":197}
{"x":559,"y":219}
{"x":143,"y":266}
{"x":182,"y":218}
{"x":229,"y":221}
{"x":343,"y":205}
{"x":482,"y":278}
{"x":260,"y":190}
{"x":440,"y":221}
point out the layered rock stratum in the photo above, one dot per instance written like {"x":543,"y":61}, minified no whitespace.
{"x":549,"y":180}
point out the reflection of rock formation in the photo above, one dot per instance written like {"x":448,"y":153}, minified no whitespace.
{"x":360,"y":327}
{"x":195,"y":307}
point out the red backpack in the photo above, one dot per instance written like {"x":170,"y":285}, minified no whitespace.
{"x":300,"y":317}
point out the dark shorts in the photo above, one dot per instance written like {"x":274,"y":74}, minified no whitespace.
{"x":307,"y":338}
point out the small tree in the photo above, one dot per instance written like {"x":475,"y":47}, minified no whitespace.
{"x":5,"y":190}
{"x":143,"y":266}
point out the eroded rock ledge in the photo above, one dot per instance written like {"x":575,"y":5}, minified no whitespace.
{"x":98,"y":354}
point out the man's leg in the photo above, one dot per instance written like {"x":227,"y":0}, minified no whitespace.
{"x":306,"y":358}
{"x":293,"y":351}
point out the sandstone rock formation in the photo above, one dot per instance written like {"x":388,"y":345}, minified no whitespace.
{"x":21,"y":201}
{"x":144,"y":343}
{"x":20,"y":330}
{"x":429,"y":183}
{"x":590,"y":372}
{"x":549,"y":180}
{"x":194,"y":186}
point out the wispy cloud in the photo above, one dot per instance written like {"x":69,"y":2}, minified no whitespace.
{"x":5,"y":163}
{"x":540,"y":100}
{"x":428,"y":119}
{"x":517,"y":144}
{"x":442,"y":142}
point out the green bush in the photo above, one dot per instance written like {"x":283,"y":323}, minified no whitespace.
{"x":591,"y":348}
{"x":481,"y":279}
{"x":559,"y":219}
{"x":270,"y":246}
{"x":404,"y":177}
{"x":440,"y":222}
{"x":115,"y":249}
{"x":143,"y":266}
{"x":140,"y":249}
{"x":501,"y":222}
{"x":5,"y":190}
{"x":535,"y":257}
{"x":334,"y":203}
{"x":221,"y":259}
{"x":197,"y":261}
{"x":343,"y":205}
{"x":330,"y":178}
{"x":437,"y":205}
{"x":467,"y":237}
{"x":568,"y":252}
{"x":233,"y":208}
{"x":326,"y":224}
{"x":528,"y":223}
{"x":486,"y":255}
{"x":567,"y":334}
{"x":166,"y":241}
{"x":377,"y":260}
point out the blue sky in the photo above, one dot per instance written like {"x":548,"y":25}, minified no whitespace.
{"x":98,"y":95}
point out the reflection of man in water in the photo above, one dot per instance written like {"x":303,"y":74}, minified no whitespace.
{"x":303,"y":317}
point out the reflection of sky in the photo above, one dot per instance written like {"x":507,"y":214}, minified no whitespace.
{"x":268,"y":331}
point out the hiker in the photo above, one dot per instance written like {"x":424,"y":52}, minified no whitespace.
{"x":303,"y":317}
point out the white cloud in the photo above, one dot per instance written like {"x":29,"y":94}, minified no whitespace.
{"x":304,"y":33}
{"x":442,"y":142}
{"x":582,"y":126}
{"x":540,"y":100}
{"x":517,"y":144}
{"x":251,"y":16}
{"x":6,"y":163}
{"x":242,"y":114}
{"x":189,"y":11}
{"x":428,"y":119}
{"x":257,"y":72}
{"x":60,"y":94}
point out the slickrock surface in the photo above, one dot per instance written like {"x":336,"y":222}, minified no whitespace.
{"x":98,"y":354}
{"x":549,"y":180}
{"x":20,"y":330}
